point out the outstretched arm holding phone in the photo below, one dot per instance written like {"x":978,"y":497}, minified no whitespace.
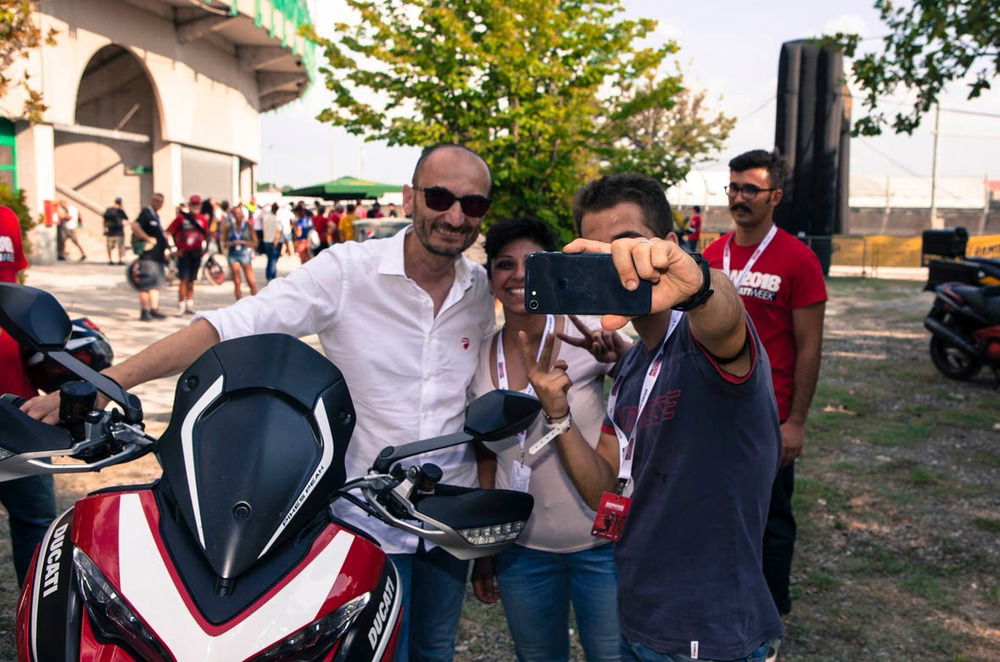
{"x":719,"y":324}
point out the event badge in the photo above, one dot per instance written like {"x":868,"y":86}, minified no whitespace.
{"x":609,"y":523}
{"x":520,"y":476}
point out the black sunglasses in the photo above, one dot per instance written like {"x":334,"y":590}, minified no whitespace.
{"x":439,"y":198}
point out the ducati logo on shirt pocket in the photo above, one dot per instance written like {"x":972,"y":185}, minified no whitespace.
{"x":466,"y":342}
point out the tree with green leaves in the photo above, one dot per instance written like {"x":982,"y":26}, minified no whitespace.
{"x":543,"y":90}
{"x":664,"y":136}
{"x":18,"y":35}
{"x":930,"y":44}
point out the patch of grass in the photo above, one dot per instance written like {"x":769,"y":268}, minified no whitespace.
{"x":983,"y":458}
{"x":938,"y":640}
{"x":821,"y":579}
{"x":886,"y":562}
{"x":922,"y":476}
{"x":966,"y":418}
{"x":811,"y":494}
{"x":898,"y":433}
{"x":925,"y":585}
{"x":830,"y":395}
{"x":986,"y":524}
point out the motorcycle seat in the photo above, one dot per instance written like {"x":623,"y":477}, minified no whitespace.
{"x":983,"y":300}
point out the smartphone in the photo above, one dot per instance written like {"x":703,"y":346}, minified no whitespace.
{"x":580,"y":284}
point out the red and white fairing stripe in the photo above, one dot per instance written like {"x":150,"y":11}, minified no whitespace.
{"x":146,"y":577}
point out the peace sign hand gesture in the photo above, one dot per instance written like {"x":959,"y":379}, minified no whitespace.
{"x":551,"y":383}
{"x":605,"y":346}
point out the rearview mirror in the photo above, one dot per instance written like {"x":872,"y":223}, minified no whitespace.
{"x":33,"y":317}
{"x":500,"y":414}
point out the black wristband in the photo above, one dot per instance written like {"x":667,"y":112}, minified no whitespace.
{"x":704,"y":293}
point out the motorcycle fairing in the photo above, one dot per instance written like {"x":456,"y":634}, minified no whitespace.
{"x":53,"y":621}
{"x":378,"y":625}
{"x":120,"y":537}
{"x":255,"y":445}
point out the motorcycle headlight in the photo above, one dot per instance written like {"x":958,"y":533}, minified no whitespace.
{"x":491,"y":535}
{"x":315,"y":640}
{"x":111,"y":616}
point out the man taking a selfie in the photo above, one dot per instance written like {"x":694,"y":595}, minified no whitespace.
{"x":690,"y":445}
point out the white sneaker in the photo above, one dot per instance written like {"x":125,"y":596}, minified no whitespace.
{"x":772,"y":650}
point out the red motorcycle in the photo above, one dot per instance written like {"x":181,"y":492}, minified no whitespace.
{"x":965,"y":330}
{"x":234,"y":553}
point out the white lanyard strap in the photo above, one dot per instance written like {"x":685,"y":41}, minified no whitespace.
{"x":626,"y":443}
{"x":761,"y":247}
{"x":550,"y":325}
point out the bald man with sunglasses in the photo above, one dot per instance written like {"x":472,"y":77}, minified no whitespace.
{"x":403,"y":318}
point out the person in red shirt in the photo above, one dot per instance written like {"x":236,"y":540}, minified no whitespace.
{"x":31,"y":501}
{"x":320,"y":222}
{"x":189,"y":231}
{"x":781,"y":283}
{"x":694,"y":229}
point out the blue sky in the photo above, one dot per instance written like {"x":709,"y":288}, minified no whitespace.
{"x":729,"y":49}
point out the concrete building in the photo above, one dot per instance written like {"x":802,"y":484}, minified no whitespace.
{"x":150,"y":95}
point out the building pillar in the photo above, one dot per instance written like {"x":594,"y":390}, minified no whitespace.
{"x":246,"y":183}
{"x":167,"y":168}
{"x":36,"y":176}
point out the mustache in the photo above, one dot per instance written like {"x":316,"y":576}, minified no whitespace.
{"x":739,"y":206}
{"x":440,"y":225}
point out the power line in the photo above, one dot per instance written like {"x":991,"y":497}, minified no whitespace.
{"x":889,"y":158}
{"x":900,"y":165}
{"x":759,"y":108}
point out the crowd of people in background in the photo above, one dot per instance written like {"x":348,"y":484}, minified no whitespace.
{"x":204,"y":234}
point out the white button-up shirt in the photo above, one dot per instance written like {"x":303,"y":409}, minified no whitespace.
{"x":408,"y":370}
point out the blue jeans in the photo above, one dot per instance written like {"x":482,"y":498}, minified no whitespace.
{"x":633,"y":652}
{"x":31,"y":505}
{"x":537,"y":588}
{"x":433,"y":590}
{"x":271,"y":251}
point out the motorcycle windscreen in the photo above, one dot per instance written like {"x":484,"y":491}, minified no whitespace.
{"x":255,"y":446}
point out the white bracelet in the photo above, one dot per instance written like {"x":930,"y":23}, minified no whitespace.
{"x":552,"y":430}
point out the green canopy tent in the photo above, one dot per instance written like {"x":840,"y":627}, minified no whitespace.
{"x":345,"y":188}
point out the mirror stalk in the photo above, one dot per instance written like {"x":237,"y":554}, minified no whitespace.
{"x":392,"y":454}
{"x":129,"y":403}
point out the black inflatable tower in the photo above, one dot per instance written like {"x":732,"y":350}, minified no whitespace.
{"x":812,"y":130}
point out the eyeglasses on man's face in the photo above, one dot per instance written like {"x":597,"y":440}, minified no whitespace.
{"x":439,"y":198}
{"x":746,"y":191}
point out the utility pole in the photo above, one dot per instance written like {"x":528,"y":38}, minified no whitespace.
{"x":936,"y":223}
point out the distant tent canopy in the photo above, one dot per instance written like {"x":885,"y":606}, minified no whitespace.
{"x":345,"y":188}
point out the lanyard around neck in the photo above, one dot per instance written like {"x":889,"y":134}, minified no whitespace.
{"x":761,"y":247}
{"x":626,"y":443}
{"x":550,"y":324}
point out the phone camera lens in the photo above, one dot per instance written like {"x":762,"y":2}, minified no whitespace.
{"x":533,"y":305}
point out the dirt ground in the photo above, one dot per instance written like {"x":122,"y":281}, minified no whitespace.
{"x":897,"y":493}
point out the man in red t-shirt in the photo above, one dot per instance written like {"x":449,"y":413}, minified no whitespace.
{"x":189,"y":231}
{"x":320,"y":220}
{"x":31,"y":501}
{"x":694,"y":228}
{"x":781,"y":283}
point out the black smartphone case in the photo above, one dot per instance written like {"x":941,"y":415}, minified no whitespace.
{"x":580,"y":284}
